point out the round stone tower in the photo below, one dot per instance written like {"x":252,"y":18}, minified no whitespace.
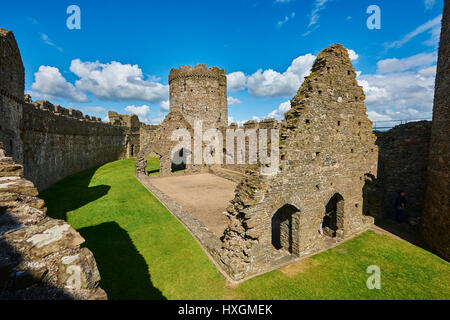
{"x":200,"y":93}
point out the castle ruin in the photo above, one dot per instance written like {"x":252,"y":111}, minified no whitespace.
{"x":328,"y":162}
{"x":328,"y":178}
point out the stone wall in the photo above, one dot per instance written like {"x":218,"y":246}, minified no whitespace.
{"x":56,"y":146}
{"x":40,"y":257}
{"x":328,"y":158}
{"x":436,"y":217}
{"x":402,"y":166}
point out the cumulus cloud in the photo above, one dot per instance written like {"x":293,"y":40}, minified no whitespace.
{"x":274,"y":84}
{"x":418,"y":60}
{"x":141,"y":111}
{"x":433,"y":26}
{"x":165,"y":105}
{"x":236,"y":81}
{"x":404,"y":90}
{"x":280,"y":111}
{"x":117,"y":81}
{"x":375,"y":116}
{"x":94,"y":110}
{"x":233,"y":101}
{"x":50,"y":82}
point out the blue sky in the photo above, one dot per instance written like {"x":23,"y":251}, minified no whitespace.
{"x":121,"y":57}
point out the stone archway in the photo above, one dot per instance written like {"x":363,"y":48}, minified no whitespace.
{"x":333,"y":220}
{"x":285,"y":226}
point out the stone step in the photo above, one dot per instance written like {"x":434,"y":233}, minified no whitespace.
{"x":7,"y":170}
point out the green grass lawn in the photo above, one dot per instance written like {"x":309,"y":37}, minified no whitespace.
{"x":143,"y":252}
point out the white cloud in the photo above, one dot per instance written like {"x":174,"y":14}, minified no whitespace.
{"x":141,"y":111}
{"x":286,"y":19}
{"x":375,"y":116}
{"x":418,"y":60}
{"x":280,"y":111}
{"x":400,"y":93}
{"x":236,"y":81}
{"x":155,"y":120}
{"x":117,"y":81}
{"x":165,"y":105}
{"x":314,"y":16}
{"x":432,"y":26}
{"x":233,"y":101}
{"x":48,"y":41}
{"x":274,"y":84}
{"x":50,"y":82}
{"x":282,"y":1}
{"x":429,"y":4}
{"x":94,"y":110}
{"x":238,"y":122}
{"x":352,"y":54}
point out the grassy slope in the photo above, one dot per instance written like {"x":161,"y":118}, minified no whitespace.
{"x":143,"y":252}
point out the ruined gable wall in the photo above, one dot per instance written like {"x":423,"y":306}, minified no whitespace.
{"x":436,"y":216}
{"x":57,"y":143}
{"x":11,"y":94}
{"x":200,"y":93}
{"x":326,"y":147}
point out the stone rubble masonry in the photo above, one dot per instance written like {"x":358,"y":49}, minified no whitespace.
{"x":327,"y":152}
{"x":12,"y":84}
{"x":40,"y":257}
{"x":50,"y":141}
{"x":402,"y":166}
{"x":436,"y":217}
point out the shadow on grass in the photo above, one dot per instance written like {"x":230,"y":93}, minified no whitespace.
{"x":72,"y":193}
{"x":123,"y":270}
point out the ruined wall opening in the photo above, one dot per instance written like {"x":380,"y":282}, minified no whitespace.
{"x":370,"y":207}
{"x":132,"y":150}
{"x":334,"y":215}
{"x":179,"y":159}
{"x":283,"y":226}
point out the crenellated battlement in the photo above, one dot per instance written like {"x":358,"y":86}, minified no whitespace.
{"x":199,"y":71}
{"x":45,"y":105}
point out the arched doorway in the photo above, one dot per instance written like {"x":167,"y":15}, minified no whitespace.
{"x":284,"y":226}
{"x":333,"y":219}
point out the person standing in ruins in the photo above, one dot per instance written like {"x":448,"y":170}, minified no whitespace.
{"x":400,"y":205}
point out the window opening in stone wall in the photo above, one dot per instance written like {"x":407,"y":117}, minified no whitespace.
{"x":334,"y":214}
{"x":282,"y":228}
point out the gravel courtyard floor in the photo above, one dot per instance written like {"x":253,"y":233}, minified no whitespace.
{"x":205,"y":196}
